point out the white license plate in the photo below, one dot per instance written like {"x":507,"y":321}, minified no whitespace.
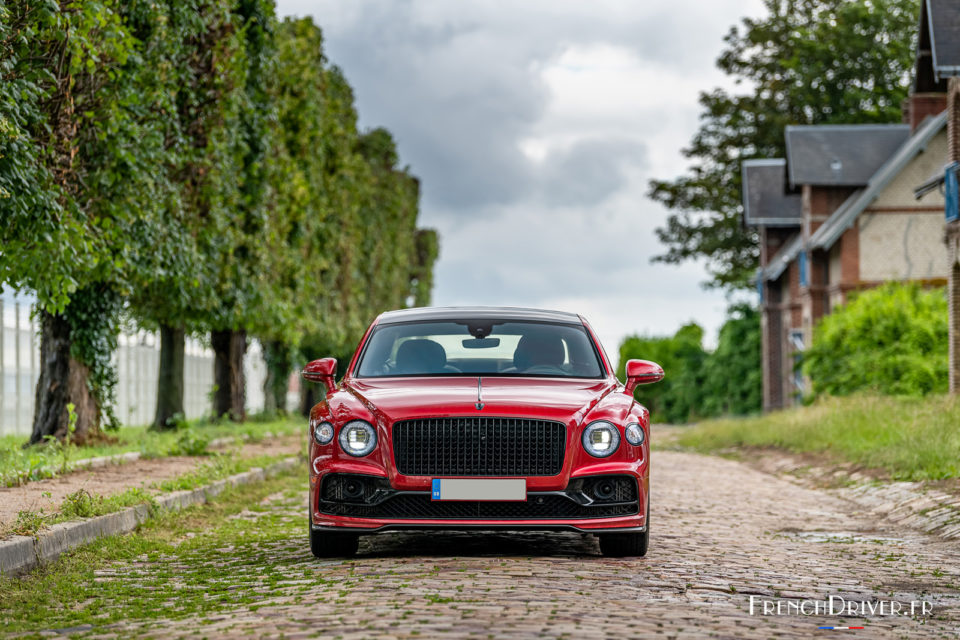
{"x":506,"y":489}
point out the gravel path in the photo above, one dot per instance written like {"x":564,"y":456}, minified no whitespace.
{"x":722,"y":532}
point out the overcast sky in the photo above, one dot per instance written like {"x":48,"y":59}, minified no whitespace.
{"x":534,"y":127}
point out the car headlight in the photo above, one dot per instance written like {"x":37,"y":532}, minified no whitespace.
{"x":634,"y":434}
{"x":358,"y":438}
{"x":601,"y":438}
{"x":323,"y":433}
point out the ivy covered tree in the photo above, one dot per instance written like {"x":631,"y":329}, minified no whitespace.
{"x":195,"y":166}
{"x":202,"y":56}
{"x":806,"y":62}
{"x":83,"y":112}
{"x":343,"y":238}
{"x":240,"y":261}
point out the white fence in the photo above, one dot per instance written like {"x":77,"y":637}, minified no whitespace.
{"x":137,"y":359}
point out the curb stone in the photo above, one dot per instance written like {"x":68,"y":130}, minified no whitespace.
{"x":22,"y":553}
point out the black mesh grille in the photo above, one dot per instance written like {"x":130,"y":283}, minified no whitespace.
{"x":420,"y":506}
{"x":475,"y":446}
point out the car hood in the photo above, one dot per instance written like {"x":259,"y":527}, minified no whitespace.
{"x":395,"y":399}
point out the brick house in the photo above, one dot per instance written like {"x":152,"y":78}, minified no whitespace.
{"x":859,"y":224}
{"x":938,"y":73}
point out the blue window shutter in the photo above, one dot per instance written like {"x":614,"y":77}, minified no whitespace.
{"x":952,"y":210}
{"x":760,"y":286}
{"x":802,"y":264}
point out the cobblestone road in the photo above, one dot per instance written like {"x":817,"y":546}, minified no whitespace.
{"x":721,"y":533}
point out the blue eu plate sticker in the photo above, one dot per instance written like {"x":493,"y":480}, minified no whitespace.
{"x":436,"y":489}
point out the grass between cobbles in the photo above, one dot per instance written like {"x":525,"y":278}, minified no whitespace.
{"x":182,"y":564}
{"x":19,"y":465}
{"x":908,"y":438}
{"x":82,"y":504}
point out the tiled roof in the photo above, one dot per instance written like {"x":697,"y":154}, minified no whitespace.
{"x":844,"y":216}
{"x":944,"y":23}
{"x":765,"y":201}
{"x":840,"y":155}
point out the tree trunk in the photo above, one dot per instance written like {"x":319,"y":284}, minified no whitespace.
{"x":170,"y":378}
{"x":63,"y":381}
{"x":229,"y":346}
{"x":278,"y":360}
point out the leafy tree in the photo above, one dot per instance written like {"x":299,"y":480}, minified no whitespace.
{"x":83,"y":117}
{"x":890,"y":340}
{"x":807,"y":62}
{"x":342,"y":241}
{"x":240,"y":263}
{"x":732,"y":373}
{"x":675,"y":399}
{"x":700,"y":384}
{"x":196,"y":166}
{"x":297,"y":302}
{"x":202,"y":57}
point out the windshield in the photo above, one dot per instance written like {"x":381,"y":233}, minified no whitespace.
{"x":482,"y":347}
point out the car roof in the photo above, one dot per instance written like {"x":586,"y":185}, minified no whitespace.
{"x":477,"y":313}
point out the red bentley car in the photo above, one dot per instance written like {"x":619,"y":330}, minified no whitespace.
{"x":479,"y":418}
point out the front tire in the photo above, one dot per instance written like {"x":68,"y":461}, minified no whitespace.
{"x":332,"y":544}
{"x":621,"y":545}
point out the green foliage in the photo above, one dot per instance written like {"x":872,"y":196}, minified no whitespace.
{"x":83,"y":504}
{"x":196,"y":164}
{"x":807,"y":62}
{"x":698,"y":383}
{"x":733,"y":373}
{"x":342,"y":239}
{"x":28,"y":523}
{"x":910,"y":438}
{"x":201,"y":55}
{"x":191,"y":443}
{"x":428,"y":249}
{"x":889,"y":340}
{"x":676,"y":398}
{"x":86,"y":105}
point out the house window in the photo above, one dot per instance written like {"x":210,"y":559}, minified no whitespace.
{"x":951,"y":195}
{"x":802,"y":265}
{"x":796,"y":341}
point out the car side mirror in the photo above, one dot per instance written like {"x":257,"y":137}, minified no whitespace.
{"x":322,"y":370}
{"x":641,"y":372}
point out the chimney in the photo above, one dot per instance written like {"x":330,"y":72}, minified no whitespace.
{"x":920,"y":106}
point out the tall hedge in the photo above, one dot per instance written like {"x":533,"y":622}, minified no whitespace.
{"x":890,"y":340}
{"x":701,"y":383}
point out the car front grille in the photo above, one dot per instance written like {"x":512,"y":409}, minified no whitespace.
{"x":479,"y":446}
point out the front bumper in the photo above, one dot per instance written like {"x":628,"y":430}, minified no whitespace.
{"x":473,"y":526}
{"x":368,"y":504}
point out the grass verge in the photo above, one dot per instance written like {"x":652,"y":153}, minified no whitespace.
{"x":177,"y":565}
{"x":82,"y":504}
{"x":19,"y":464}
{"x":908,"y":438}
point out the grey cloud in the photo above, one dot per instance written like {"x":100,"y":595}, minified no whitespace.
{"x":459,"y":84}
{"x":589,"y":171}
